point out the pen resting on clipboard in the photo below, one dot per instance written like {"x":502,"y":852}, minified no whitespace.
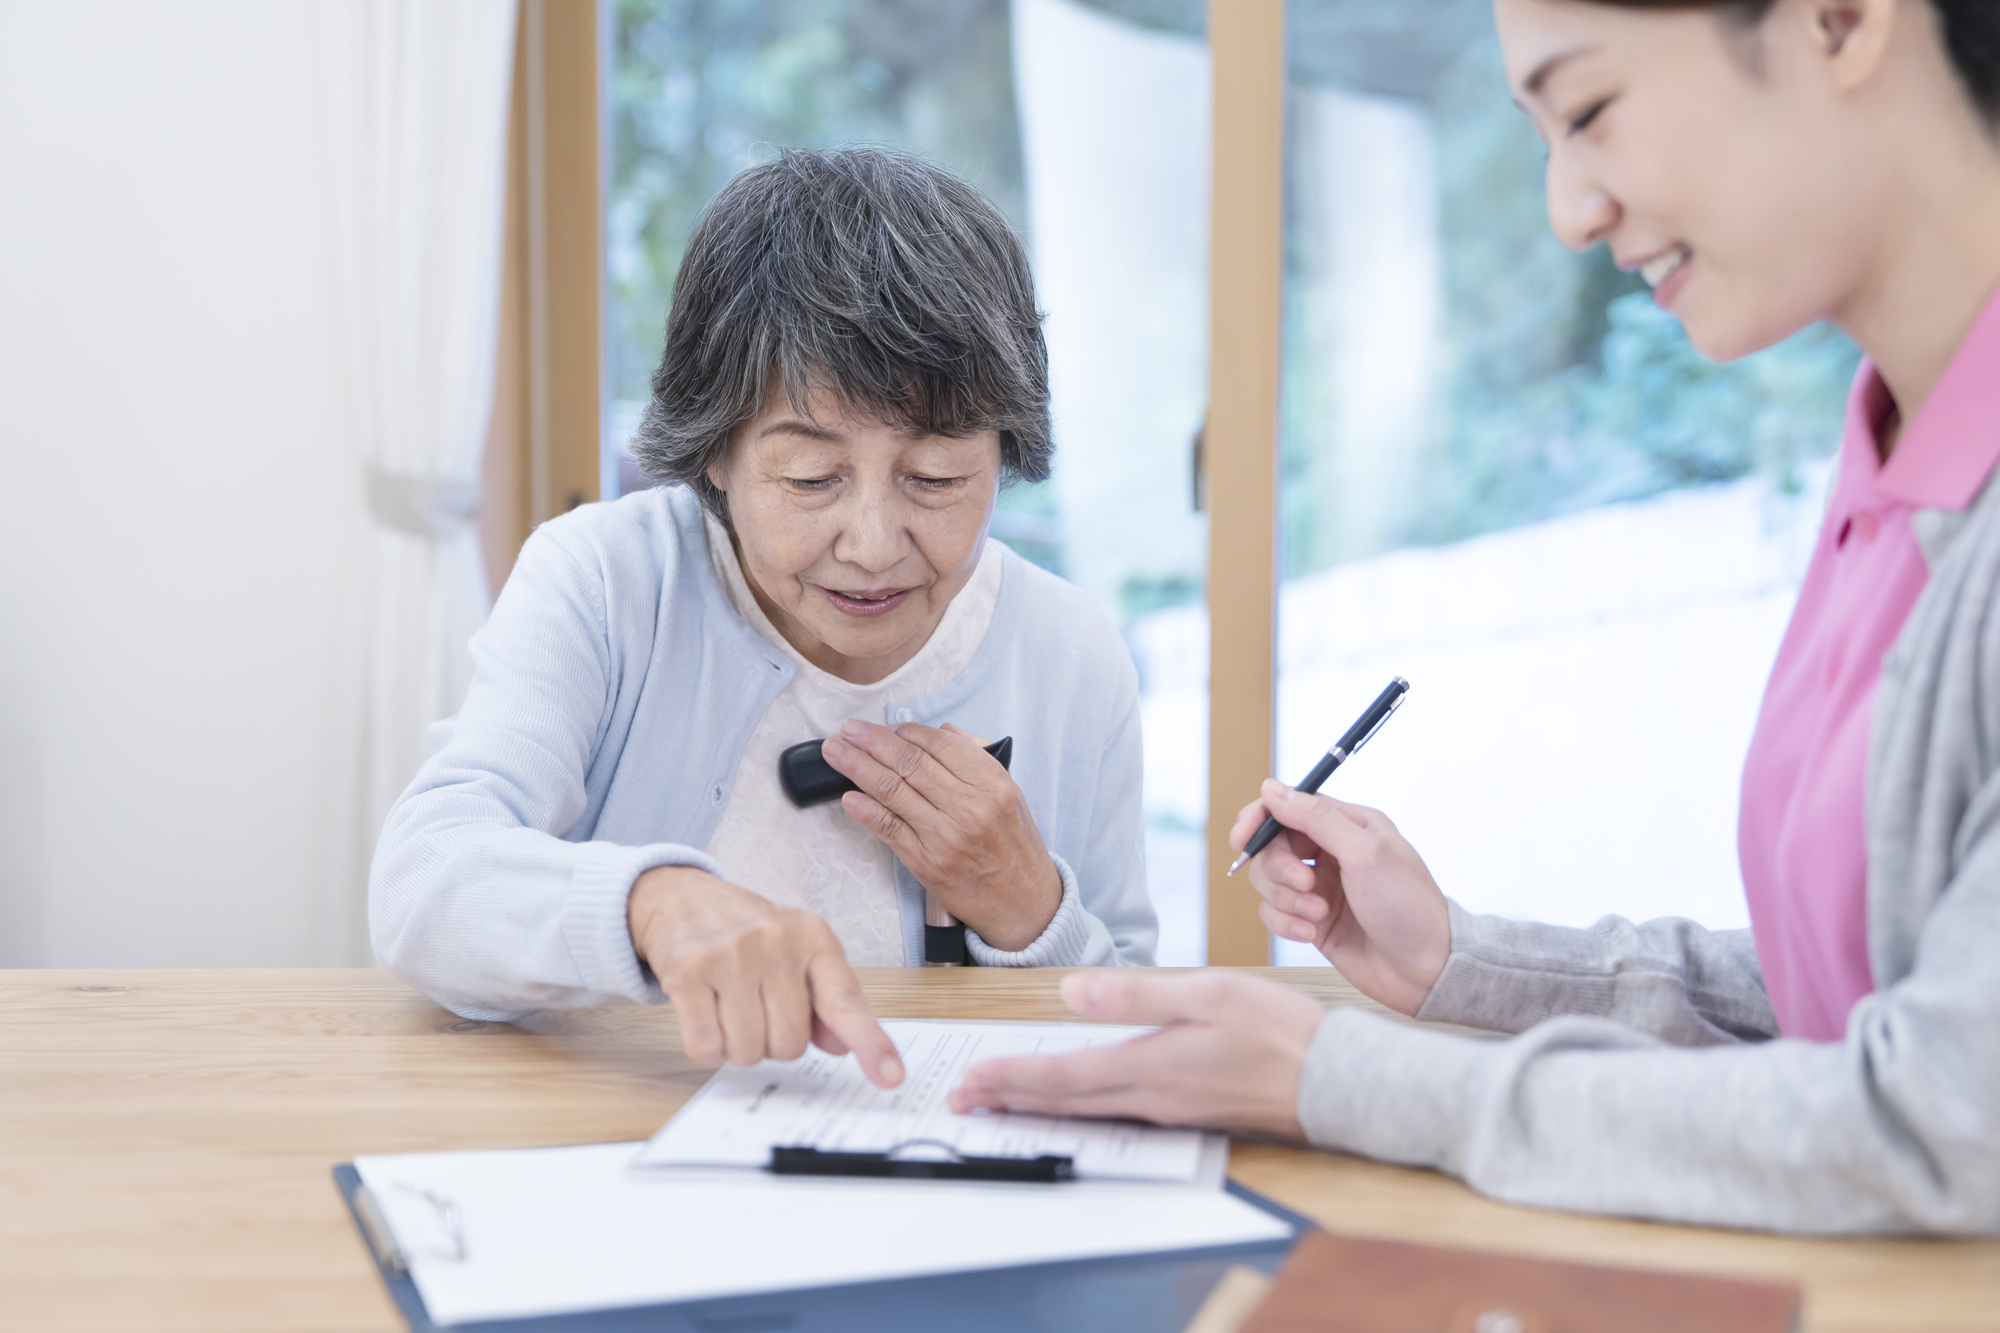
{"x":809,"y":780}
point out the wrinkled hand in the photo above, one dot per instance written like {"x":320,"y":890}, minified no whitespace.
{"x":1228,"y":1055}
{"x":1368,"y":903}
{"x":751,"y":980}
{"x":952,"y":814}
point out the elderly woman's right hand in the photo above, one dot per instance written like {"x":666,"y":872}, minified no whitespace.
{"x":750,"y":980}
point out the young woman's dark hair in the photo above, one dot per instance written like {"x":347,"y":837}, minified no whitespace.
{"x":1971,"y":35}
{"x":875,"y":274}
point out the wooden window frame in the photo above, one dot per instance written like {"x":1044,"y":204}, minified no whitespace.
{"x":1246,"y":41}
{"x":545,"y":444}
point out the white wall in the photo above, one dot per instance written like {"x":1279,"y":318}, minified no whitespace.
{"x":174,"y":508}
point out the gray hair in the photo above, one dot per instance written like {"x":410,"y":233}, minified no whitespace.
{"x":874,"y":274}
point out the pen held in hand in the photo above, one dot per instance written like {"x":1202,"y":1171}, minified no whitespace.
{"x":1370,"y":722}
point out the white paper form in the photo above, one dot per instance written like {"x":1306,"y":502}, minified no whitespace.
{"x":509,"y":1235}
{"x":825,"y":1102}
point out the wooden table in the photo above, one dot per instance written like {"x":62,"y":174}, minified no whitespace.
{"x":166,"y":1139}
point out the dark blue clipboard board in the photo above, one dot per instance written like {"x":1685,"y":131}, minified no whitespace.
{"x":1142,"y":1293}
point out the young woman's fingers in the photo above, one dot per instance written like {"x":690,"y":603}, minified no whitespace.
{"x":1139,"y":996}
{"x":1288,"y":926}
{"x":1096,"y":1075}
{"x":1112,"y":1104}
{"x":1248,"y":820}
{"x":701,"y":1032}
{"x":1147,"y":1077}
{"x":1134,"y":995}
{"x":1308,"y":905}
{"x":1281,"y":875}
{"x":1367,"y":816}
{"x":838,"y":1003}
{"x":1332,"y":825}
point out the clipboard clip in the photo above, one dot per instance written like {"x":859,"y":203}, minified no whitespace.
{"x":896,"y":1163}
{"x":381,"y":1236}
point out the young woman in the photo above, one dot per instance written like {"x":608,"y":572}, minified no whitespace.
{"x":1765,"y":164}
{"x":853,"y":363}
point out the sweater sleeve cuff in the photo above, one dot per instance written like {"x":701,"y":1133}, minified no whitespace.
{"x":1387,"y":1090}
{"x":595,"y":922}
{"x":1064,"y":942}
{"x":1508,"y":976}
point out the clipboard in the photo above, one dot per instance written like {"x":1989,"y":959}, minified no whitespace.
{"x":1138,"y":1292}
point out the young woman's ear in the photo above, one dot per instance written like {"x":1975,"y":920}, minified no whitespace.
{"x":1852,"y":37}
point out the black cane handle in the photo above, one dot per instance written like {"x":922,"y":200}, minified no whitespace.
{"x":809,"y":780}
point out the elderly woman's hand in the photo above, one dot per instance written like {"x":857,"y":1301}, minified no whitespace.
{"x":751,"y":980}
{"x":953,"y":815}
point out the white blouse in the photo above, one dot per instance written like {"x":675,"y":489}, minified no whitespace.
{"x":819,"y":859}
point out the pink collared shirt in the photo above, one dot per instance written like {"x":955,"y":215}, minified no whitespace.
{"x":1801,"y":834}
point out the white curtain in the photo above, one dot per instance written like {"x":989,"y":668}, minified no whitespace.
{"x":416,"y":102}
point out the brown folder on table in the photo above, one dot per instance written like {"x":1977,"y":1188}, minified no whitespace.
{"x":1341,"y":1284}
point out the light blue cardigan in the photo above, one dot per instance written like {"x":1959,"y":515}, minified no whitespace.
{"x":614,"y":690}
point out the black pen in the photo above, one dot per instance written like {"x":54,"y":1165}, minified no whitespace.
{"x":1370,"y":722}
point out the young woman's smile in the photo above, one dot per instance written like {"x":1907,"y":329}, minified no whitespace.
{"x":1666,"y":273}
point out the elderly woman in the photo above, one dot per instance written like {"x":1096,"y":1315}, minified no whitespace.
{"x":854,"y":365}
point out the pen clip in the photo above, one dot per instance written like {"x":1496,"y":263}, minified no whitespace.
{"x":1397,"y":703}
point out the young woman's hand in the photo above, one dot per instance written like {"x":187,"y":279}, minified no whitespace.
{"x":750,"y":980}
{"x":952,"y":814}
{"x":1367,"y":902}
{"x":1228,"y":1055}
